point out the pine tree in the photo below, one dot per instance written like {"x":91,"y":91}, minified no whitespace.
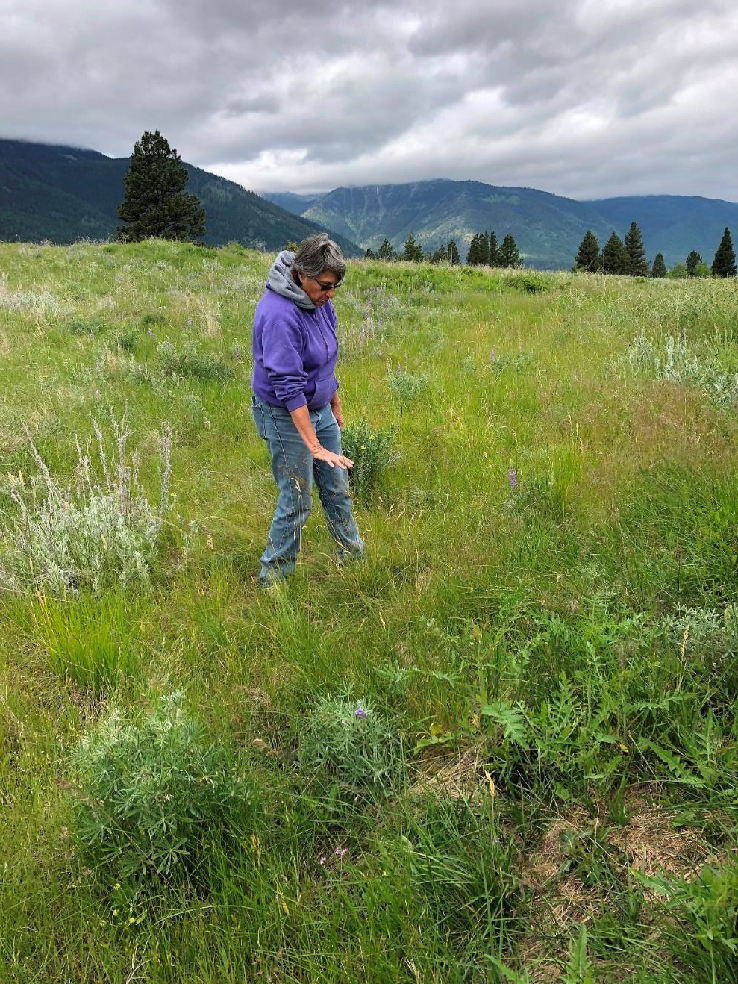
{"x":369,"y":255}
{"x":636,"y":252}
{"x":659,"y":267}
{"x":473,"y":255}
{"x":494,"y":250}
{"x":440,"y":255}
{"x":453,"y":254}
{"x":386,"y":252}
{"x":413,"y":252}
{"x":614,"y":257}
{"x":692,"y":260}
{"x":588,"y":257}
{"x":508,"y":253}
{"x":484,"y":248}
{"x":156,"y":203}
{"x":724,"y":263}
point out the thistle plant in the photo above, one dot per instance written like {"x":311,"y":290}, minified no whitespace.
{"x":101,"y":531}
{"x":350,"y":749}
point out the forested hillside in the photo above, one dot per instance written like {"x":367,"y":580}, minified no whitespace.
{"x":62,"y":194}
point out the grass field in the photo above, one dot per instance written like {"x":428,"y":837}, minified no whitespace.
{"x":503,"y":747}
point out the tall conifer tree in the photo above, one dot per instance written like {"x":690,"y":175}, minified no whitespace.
{"x":588,"y":257}
{"x":636,"y":252}
{"x":472,"y":256}
{"x":724,"y":263}
{"x":484,"y":248}
{"x":452,"y":252}
{"x":614,"y":257}
{"x":508,"y":254}
{"x":659,"y":267}
{"x":156,"y":203}
{"x":386,"y":252}
{"x":494,"y":250}
{"x":692,"y":260}
{"x":413,"y":251}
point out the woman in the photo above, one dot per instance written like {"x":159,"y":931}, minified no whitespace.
{"x":295,"y":401}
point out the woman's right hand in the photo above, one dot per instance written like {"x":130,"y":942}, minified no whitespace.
{"x":332,"y":459}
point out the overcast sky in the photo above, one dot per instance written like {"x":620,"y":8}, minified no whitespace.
{"x":585,"y":98}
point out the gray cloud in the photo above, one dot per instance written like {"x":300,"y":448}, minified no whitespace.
{"x":585,"y":97}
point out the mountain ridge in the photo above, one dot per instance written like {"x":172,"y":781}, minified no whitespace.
{"x":547,"y":228}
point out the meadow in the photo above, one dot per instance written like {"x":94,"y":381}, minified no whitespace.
{"x":502,"y":747}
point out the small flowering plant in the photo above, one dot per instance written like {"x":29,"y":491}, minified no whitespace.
{"x":351,"y":750}
{"x":371,"y":452}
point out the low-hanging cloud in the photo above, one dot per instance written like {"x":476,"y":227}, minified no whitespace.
{"x":585,"y":98}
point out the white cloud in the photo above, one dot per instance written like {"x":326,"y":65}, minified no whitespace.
{"x":585,"y":97}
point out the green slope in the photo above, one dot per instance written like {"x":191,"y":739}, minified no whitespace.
{"x":62,"y":194}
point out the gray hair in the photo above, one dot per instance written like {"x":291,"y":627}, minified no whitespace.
{"x":318,"y":254}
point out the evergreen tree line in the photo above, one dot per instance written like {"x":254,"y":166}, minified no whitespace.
{"x":484,"y":250}
{"x":629,"y":257}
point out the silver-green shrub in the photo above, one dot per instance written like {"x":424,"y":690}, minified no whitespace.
{"x":101,"y":531}
{"x":675,"y":361}
{"x":406,"y":386}
{"x":154,"y":797}
{"x":351,"y":750}
{"x":189,"y":360}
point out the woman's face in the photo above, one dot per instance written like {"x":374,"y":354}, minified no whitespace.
{"x":321,"y":288}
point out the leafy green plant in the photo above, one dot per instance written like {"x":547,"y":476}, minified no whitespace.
{"x":703,"y":921}
{"x":371,"y":452}
{"x":527,"y":283}
{"x":154,"y":797}
{"x":351,"y":750}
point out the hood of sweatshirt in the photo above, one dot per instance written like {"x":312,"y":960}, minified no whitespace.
{"x":281,"y":281}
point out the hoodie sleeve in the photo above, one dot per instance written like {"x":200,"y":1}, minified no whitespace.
{"x":282,"y":345}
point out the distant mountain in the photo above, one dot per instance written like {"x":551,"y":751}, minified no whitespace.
{"x":63,"y":194}
{"x":547,"y":228}
{"x":297,"y":204}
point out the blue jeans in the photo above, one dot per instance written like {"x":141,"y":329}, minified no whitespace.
{"x":294,"y":469}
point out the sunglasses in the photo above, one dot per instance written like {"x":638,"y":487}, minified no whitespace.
{"x":325,"y":287}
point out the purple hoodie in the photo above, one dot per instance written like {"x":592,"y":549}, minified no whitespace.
{"x":294,"y":344}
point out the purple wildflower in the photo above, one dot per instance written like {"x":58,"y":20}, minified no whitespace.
{"x":360,"y":712}
{"x":237,"y":353}
{"x":512,"y":477}
{"x":341,"y":852}
{"x":321,"y":859}
{"x":150,"y":333}
{"x":189,"y":322}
